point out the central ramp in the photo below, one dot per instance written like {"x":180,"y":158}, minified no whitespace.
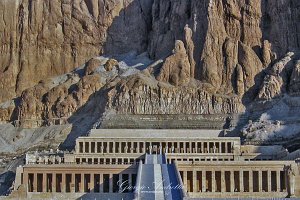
{"x":158,"y":180}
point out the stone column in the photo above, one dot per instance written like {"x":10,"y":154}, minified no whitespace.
{"x":202,"y":147}
{"x":144,"y":146}
{"x":232,"y":186}
{"x":131,"y":148}
{"x":223,"y":183}
{"x":101,"y":183}
{"x":110,"y":183}
{"x":114,"y":147}
{"x":126,"y":148}
{"x":195,"y":183}
{"x":96,"y":147}
{"x":34,"y":182}
{"x":83,"y":147}
{"x":196,"y":147}
{"x":77,"y":146}
{"x":278,"y":180}
{"x":203,"y":181}
{"x":172,"y":150}
{"x":160,"y":148}
{"x":82,"y":183}
{"x":191,"y":148}
{"x":130,"y":182}
{"x":269,"y":181}
{"x":101,"y":149}
{"x":166,"y":147}
{"x":185,"y":180}
{"x":214,"y":147}
{"x":120,"y":147}
{"x":213,"y":181}
{"x":226,"y":148}
{"x":108,"y":147}
{"x":250,"y":180}
{"x":44,"y":182}
{"x":26,"y":181}
{"x":138,"y":147}
{"x":259,"y":181}
{"x":220,"y":147}
{"x":63,"y":182}
{"x":178,"y":147}
{"x":92,"y":182}
{"x":241,"y":180}
{"x":184,"y":147}
{"x":54,"y":182}
{"x":291,"y":179}
{"x":73,"y":183}
{"x":90,"y":147}
{"x":120,"y":181}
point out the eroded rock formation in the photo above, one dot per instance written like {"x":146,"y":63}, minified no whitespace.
{"x":55,"y":99}
{"x":294,"y":87}
{"x":277,"y":79}
{"x":225,"y":55}
{"x":176,"y":68}
{"x":46,"y":38}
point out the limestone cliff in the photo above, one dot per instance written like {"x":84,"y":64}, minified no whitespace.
{"x":226,"y":54}
{"x":41,"y":39}
{"x":46,"y":38}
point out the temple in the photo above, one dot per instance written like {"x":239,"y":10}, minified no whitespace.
{"x":159,"y":164}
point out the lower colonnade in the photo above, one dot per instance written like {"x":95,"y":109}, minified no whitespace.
{"x":81,"y":183}
{"x":89,"y":179}
{"x":245,"y":181}
{"x":108,"y":161}
{"x":221,"y":179}
{"x":202,"y":178}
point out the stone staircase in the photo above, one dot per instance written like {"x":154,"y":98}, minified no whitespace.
{"x":158,"y":180}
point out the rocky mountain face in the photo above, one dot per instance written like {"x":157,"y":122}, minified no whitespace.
{"x":191,"y":57}
{"x":41,"y":39}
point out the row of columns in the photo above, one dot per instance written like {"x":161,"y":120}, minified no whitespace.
{"x":80,"y":182}
{"x":234,"y":181}
{"x":108,"y":161}
{"x":154,"y":147}
{"x":126,"y":161}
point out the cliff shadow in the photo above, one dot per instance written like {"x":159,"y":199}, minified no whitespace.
{"x":7,"y":178}
{"x":130,"y":29}
{"x":87,"y":117}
